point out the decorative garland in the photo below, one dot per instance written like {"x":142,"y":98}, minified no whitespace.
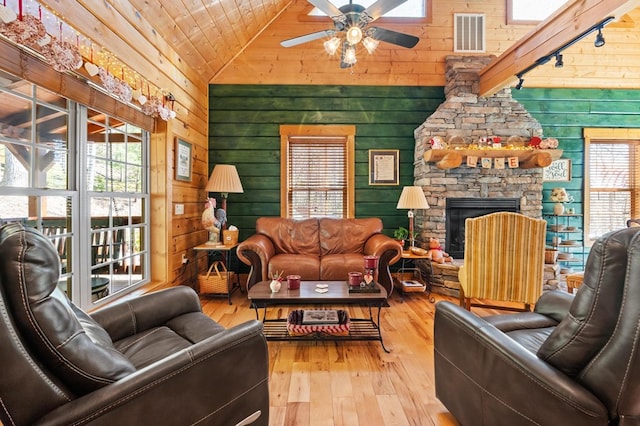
{"x":29,"y":31}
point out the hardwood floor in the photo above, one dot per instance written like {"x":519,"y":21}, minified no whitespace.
{"x":352,"y":383}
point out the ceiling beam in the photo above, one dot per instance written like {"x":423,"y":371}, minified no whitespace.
{"x":563,"y":26}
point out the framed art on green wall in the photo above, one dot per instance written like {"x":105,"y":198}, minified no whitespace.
{"x":384,"y":166}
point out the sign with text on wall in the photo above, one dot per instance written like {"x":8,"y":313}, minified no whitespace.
{"x":557,"y":171}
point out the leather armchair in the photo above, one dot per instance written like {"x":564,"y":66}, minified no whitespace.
{"x":155,"y":359}
{"x":572,"y":361}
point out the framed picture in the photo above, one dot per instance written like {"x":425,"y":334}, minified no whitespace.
{"x":383,"y":167}
{"x":183,"y":160}
{"x":557,"y":171}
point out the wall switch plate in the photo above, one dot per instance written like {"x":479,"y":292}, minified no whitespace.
{"x":179,"y":208}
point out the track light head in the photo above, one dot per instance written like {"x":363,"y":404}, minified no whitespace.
{"x":559,"y":61}
{"x":599,"y":39}
{"x":520,"y":82}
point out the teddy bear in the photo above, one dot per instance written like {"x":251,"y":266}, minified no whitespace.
{"x":436,"y":254}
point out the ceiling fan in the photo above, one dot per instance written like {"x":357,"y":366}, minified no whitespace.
{"x":353,"y":20}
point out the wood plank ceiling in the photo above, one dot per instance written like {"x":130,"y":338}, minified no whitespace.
{"x":208,"y":34}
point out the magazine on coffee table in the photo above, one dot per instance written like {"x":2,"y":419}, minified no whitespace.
{"x":320,"y":316}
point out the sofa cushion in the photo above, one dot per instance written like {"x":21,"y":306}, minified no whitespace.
{"x":346,"y":235}
{"x":289,"y":235}
{"x":595,"y":309}
{"x":72,"y":345}
{"x":336,"y":267}
{"x":305,"y":265}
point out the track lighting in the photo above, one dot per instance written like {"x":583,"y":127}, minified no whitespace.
{"x":559,"y":61}
{"x":520,"y":82}
{"x":599,"y":42}
{"x":599,"y":39}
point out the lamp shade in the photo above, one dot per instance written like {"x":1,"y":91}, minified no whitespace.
{"x":224,"y":178}
{"x":412,"y":197}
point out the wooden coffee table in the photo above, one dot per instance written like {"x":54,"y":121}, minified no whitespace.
{"x":338,"y":295}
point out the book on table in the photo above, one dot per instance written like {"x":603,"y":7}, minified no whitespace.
{"x":412,"y":283}
{"x":320,"y":316}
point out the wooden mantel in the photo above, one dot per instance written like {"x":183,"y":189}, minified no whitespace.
{"x":451,"y":158}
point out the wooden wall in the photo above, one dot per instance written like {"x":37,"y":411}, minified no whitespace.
{"x":244,"y":131}
{"x":264,"y":61}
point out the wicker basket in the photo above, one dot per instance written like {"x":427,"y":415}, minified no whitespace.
{"x":216,"y":280}
{"x":550,"y":256}
{"x":230,"y":238}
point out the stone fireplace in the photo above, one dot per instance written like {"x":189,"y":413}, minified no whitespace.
{"x":462,"y":119}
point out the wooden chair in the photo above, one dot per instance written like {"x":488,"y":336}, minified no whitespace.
{"x":503,"y":260}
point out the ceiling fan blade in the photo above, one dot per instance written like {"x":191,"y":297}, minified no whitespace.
{"x":306,"y":38}
{"x":381,"y":7}
{"x":327,"y":7}
{"x":393,"y":37}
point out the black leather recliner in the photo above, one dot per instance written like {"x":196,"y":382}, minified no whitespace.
{"x":573,"y":361}
{"x":156,"y":359}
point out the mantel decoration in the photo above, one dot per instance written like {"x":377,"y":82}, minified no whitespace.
{"x":491,"y":152}
{"x":66,"y":50}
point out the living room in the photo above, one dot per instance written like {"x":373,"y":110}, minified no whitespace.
{"x":233,"y":85}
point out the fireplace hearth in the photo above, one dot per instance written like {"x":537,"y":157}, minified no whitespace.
{"x":457,"y":210}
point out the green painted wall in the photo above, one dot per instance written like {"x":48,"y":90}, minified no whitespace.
{"x":245,"y":120}
{"x":244,"y":130}
{"x":564,"y":113}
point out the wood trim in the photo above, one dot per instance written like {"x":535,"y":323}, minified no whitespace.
{"x":347,"y":131}
{"x":599,"y":133}
{"x":563,"y":26}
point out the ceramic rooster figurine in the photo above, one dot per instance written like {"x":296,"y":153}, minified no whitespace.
{"x":210,"y":222}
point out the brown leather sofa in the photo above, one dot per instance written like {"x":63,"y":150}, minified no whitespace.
{"x":156,"y":359}
{"x":318,"y":249}
{"x":573,"y":361}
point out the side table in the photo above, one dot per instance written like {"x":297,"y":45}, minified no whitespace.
{"x":225,"y":252}
{"x":409,"y":264}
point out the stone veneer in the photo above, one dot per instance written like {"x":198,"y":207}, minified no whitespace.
{"x":462,"y":119}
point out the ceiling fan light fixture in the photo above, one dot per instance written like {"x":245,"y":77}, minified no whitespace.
{"x":370,"y":44}
{"x":331,"y":45}
{"x":350,"y":55}
{"x":354,"y":35}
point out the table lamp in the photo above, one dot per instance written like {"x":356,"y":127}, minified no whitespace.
{"x":412,"y":198}
{"x":224,"y":179}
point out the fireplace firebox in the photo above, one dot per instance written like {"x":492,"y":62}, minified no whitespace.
{"x":459,"y":209}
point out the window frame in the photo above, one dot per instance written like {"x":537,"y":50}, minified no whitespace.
{"x":512,"y":21}
{"x":67,"y":233}
{"x":609,"y":135}
{"x":347,"y":132}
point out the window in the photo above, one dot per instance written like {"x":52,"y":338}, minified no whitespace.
{"x":612,"y":179}
{"x":317,"y":171}
{"x":61,"y":163}
{"x":531,"y":12}
{"x":408,"y":9}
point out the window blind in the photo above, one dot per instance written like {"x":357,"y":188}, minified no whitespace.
{"x":614,"y":185}
{"x":317,"y":177}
